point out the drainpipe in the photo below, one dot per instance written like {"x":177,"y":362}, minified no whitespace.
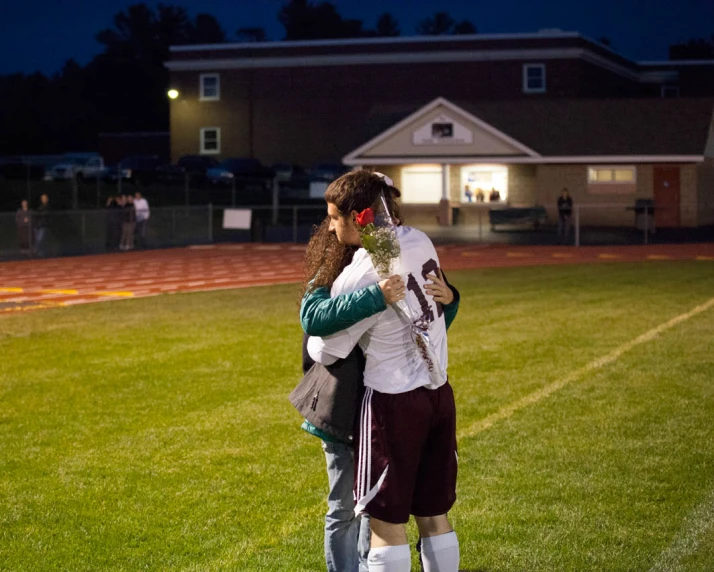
{"x":445,"y":218}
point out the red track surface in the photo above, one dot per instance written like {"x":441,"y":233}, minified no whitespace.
{"x":35,"y":284}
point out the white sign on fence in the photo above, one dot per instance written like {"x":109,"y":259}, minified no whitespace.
{"x":237,"y":218}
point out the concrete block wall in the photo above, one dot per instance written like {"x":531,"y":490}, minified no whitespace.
{"x":523,"y":185}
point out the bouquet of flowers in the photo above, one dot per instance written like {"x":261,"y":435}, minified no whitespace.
{"x":379,"y":239}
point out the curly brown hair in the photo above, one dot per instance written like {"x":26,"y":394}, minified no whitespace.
{"x":326,"y":257}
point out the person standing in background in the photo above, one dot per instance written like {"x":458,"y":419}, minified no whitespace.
{"x":23,"y":220}
{"x":565,"y":214}
{"x":141,"y":206}
{"x":128,"y":224}
{"x":40,"y":223}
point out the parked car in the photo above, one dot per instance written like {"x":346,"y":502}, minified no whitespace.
{"x":197,"y":164}
{"x":327,"y":172}
{"x":291,"y":175}
{"x":77,"y":166}
{"x":246,"y":169}
{"x":137,"y":169}
{"x":170,"y":174}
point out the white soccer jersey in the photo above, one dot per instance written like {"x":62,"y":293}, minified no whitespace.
{"x":394,"y":364}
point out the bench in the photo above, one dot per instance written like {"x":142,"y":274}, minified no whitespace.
{"x":517,"y":216}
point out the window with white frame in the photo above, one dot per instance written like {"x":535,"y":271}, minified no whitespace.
{"x":534,"y":78}
{"x":210,"y":87}
{"x":612,"y":175}
{"x":210,"y":140}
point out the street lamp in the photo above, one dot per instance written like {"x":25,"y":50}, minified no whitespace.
{"x":173,"y":93}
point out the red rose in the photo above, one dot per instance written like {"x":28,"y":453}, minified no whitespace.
{"x":365,"y":217}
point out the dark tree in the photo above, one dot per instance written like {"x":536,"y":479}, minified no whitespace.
{"x":387,"y":26}
{"x":304,"y":20}
{"x":464,"y":28}
{"x":251,"y":35}
{"x":206,"y":30}
{"x":696,"y":49}
{"x":122,"y":89}
{"x":128,"y":82}
{"x":439,"y":24}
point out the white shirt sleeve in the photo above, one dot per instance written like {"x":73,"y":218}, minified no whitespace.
{"x":315,"y":348}
{"x":329,"y":349}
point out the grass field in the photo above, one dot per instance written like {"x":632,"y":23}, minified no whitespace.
{"x":155,"y":434}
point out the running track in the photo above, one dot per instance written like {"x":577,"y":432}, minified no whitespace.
{"x":37,"y":284}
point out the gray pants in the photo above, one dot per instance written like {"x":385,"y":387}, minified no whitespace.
{"x":127,"y":236}
{"x":563,"y":228}
{"x":347,"y":537}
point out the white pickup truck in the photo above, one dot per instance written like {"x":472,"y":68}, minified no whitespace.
{"x":77,"y":166}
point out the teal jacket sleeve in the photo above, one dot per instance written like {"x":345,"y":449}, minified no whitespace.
{"x":450,"y":310}
{"x":321,"y":315}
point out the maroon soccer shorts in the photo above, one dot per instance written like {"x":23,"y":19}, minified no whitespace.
{"x":407,"y":459}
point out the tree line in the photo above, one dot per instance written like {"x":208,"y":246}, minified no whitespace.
{"x":124,"y":87}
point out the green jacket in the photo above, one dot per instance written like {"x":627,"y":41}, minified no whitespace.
{"x":321,"y":315}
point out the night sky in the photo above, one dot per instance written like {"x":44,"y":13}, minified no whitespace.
{"x":43,"y":34}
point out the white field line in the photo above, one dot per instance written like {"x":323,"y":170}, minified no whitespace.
{"x":507,"y":410}
{"x":696,"y":525}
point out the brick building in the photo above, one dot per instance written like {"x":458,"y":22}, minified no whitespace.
{"x":529,"y":112}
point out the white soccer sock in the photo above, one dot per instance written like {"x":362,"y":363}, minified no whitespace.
{"x":440,"y":553}
{"x":390,"y":559}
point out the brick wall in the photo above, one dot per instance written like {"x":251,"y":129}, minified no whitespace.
{"x":705,"y":192}
{"x":688,"y":195}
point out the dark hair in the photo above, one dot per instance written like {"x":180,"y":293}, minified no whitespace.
{"x":325,"y":258}
{"x":360,"y":189}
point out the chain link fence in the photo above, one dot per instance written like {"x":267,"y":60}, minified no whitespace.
{"x":72,"y":232}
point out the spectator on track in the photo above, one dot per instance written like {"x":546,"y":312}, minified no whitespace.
{"x":141,"y":206}
{"x":565,"y":214}
{"x":23,"y":222}
{"x":128,"y":223}
{"x":115,"y":218}
{"x":40,"y":223}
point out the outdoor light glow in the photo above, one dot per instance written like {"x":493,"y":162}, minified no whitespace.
{"x":173,"y":93}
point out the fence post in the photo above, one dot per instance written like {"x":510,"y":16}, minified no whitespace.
{"x":186,"y":185}
{"x":276,"y":200}
{"x":29,"y":186}
{"x":173,"y":226}
{"x":84,"y":230}
{"x":646,"y":226}
{"x":577,"y":225}
{"x":75,"y":191}
{"x":295,"y":224}
{"x":210,"y":223}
